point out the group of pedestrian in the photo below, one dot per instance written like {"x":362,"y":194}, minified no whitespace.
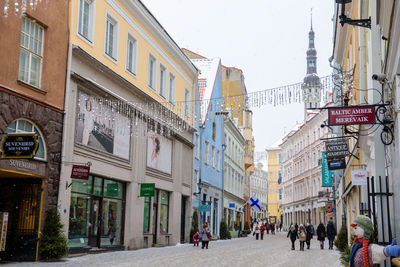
{"x":204,"y":235}
{"x":305,"y":234}
{"x":259,"y":228}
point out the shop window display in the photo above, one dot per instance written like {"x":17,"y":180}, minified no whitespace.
{"x":164,"y":212}
{"x":96,"y":212}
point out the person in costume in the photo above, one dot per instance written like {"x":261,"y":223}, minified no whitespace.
{"x":363,"y":253}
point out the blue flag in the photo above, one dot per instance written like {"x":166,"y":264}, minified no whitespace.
{"x":255,"y":203}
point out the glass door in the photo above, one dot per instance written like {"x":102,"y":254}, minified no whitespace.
{"x":95,"y":220}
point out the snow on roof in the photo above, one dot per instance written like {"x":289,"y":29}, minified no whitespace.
{"x":208,"y":74}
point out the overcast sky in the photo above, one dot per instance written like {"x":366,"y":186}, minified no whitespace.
{"x":266,"y":39}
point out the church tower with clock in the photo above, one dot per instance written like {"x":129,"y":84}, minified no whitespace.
{"x":311,"y":86}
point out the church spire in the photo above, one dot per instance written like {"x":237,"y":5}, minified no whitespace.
{"x":311,"y":85}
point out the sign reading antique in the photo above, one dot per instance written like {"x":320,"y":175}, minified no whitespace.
{"x":19,"y":146}
{"x":80,"y":172}
{"x":351,"y":115}
{"x":336,"y":148}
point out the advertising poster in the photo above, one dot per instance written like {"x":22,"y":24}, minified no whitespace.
{"x":101,"y":127}
{"x":159,"y":152}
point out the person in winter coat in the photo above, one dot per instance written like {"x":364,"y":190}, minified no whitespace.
{"x":267,"y":225}
{"x":302,"y":233}
{"x":293,"y":235}
{"x":310,"y":233}
{"x":321,"y":233}
{"x":205,"y":235}
{"x":262,"y":231}
{"x":196,"y":239}
{"x":331,"y":233}
{"x":256,"y":230}
{"x":272,"y":225}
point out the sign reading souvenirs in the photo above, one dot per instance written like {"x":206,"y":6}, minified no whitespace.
{"x":19,"y":146}
{"x":147,"y":190}
{"x":351,"y":115}
{"x":80,"y":172}
{"x":336,"y":148}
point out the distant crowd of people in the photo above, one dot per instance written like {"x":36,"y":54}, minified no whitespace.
{"x":305,"y":234}
{"x":260,"y":227}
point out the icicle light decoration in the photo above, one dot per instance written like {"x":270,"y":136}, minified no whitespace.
{"x":19,"y":5}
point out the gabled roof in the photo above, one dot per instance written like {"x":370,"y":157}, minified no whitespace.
{"x":208,"y":75}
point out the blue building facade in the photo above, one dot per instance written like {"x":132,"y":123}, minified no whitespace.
{"x":208,"y":140}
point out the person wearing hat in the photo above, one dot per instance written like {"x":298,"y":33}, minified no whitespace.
{"x":302,"y":234}
{"x":293,"y":235}
{"x":205,"y":235}
{"x":363,"y":253}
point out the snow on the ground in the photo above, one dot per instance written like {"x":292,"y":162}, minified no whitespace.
{"x":273,"y":251}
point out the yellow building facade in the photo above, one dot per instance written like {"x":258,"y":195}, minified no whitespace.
{"x":274,"y":184}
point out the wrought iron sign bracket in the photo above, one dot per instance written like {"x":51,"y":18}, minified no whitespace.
{"x":366,"y":23}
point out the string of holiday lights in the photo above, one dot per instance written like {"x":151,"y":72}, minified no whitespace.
{"x":19,"y":6}
{"x":175,"y":117}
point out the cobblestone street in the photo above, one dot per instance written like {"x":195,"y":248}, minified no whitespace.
{"x":273,"y":251}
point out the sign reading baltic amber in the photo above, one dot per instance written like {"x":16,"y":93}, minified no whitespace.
{"x":19,"y":146}
{"x":351,"y":115}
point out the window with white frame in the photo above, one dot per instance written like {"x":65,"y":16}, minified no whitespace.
{"x":197,"y":145}
{"x":85,"y":19}
{"x":218,"y":160}
{"x":206,"y":152}
{"x":131,"y":54}
{"x":172,"y":88}
{"x":31,"y":53}
{"x":163,"y":81}
{"x":213,"y":156}
{"x":196,"y":181}
{"x":111,"y":40}
{"x":187,"y":102}
{"x":152,"y":72}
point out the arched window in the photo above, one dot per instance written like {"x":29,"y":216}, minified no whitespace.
{"x":25,"y":126}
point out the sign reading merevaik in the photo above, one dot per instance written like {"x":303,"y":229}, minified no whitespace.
{"x":19,"y":146}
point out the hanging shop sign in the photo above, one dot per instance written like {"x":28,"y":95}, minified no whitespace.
{"x":359,"y":177}
{"x":231,"y":205}
{"x":204,"y":208}
{"x":337,"y":148}
{"x":19,"y":146}
{"x":329,"y":207}
{"x":337,"y":163}
{"x":80,"y":172}
{"x":326,"y":173}
{"x":351,"y":115}
{"x":147,"y":189}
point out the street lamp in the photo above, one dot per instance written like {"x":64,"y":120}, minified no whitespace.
{"x":366,"y":23}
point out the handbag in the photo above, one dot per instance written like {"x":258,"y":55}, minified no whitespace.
{"x":209,"y":235}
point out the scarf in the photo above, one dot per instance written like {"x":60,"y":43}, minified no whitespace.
{"x":359,"y":243}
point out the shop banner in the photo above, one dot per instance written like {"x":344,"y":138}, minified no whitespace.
{"x":351,"y":115}
{"x":80,"y":172}
{"x":359,"y":177}
{"x":147,"y":190}
{"x":19,"y":146}
{"x":326,"y":173}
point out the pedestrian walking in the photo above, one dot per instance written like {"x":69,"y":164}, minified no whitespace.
{"x":280,"y":227}
{"x":196,"y":239}
{"x":310,"y":233}
{"x":205,"y":235}
{"x":296,"y":227}
{"x":272,"y":228}
{"x":268,"y":227}
{"x":262,"y":231}
{"x":331,"y":233}
{"x":292,"y":234}
{"x":321,"y":233}
{"x":302,"y":236}
{"x":256,"y":230}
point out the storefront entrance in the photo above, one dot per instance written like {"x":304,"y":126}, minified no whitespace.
{"x":96,"y":213}
{"x":20,"y":200}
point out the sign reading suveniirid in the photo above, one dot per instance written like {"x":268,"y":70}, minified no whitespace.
{"x":326,"y":174}
{"x":351,"y":115}
{"x":147,"y":190}
{"x":19,"y":146}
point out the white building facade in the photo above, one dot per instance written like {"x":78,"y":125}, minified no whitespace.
{"x":233,"y":176}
